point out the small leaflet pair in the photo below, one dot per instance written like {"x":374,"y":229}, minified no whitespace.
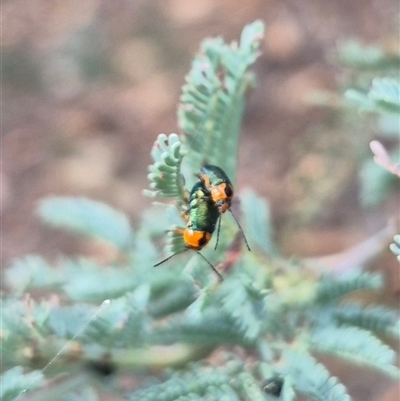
{"x":208,"y":200}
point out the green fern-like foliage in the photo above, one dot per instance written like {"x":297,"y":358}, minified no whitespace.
{"x":375,"y":90}
{"x":377,"y":318}
{"x":15,"y":381}
{"x":213,"y":99}
{"x":192,"y":385}
{"x":332,"y":290}
{"x":83,"y":316}
{"x":356,"y":55}
{"x":245,"y":306}
{"x":357,"y":346}
{"x":383,"y":96}
{"x":165,"y":173}
{"x":88,"y":218}
{"x":311,"y":378}
{"x":30,"y":272}
{"x":258,"y":222}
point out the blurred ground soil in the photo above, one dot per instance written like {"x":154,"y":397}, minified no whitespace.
{"x":87,"y":87}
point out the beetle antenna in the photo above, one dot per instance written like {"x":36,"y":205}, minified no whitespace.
{"x":218,"y":230}
{"x":169,"y":257}
{"x":241,"y":230}
{"x":212,"y":267}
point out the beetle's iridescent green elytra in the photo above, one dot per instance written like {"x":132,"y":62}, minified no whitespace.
{"x":203,"y":215}
{"x":201,"y":219}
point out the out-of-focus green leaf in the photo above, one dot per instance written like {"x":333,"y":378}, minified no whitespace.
{"x":385,"y":93}
{"x":87,"y":217}
{"x":257,"y":219}
{"x":32,"y":271}
{"x":383,"y":97}
{"x":15,"y":382}
{"x":354,"y":54}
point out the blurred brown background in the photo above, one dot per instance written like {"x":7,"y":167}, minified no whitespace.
{"x":88,"y":85}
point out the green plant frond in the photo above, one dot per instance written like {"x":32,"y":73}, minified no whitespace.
{"x":22,"y":322}
{"x":90,"y":282}
{"x":154,"y":225}
{"x":212,"y":100}
{"x":176,"y":299}
{"x":383,"y":96}
{"x":122,"y":322}
{"x":166,"y":180}
{"x":395,"y":246}
{"x":144,"y":254}
{"x":312,"y":378}
{"x":164,"y":279}
{"x":67,"y":321}
{"x":87,"y":217}
{"x":198,"y":269}
{"x":257,"y":222}
{"x":232,"y":382}
{"x":134,"y":331}
{"x":243,"y":305}
{"x":31,"y":272}
{"x":22,"y":319}
{"x":356,"y":346}
{"x":376,"y":318}
{"x":385,"y":93}
{"x":15,"y":382}
{"x":155,"y":221}
{"x":156,"y":218}
{"x":249,"y":387}
{"x":331,"y":290}
{"x":212,"y":328}
{"x":275,"y":321}
{"x":359,"y":98}
{"x":189,"y":385}
{"x":354,"y":54}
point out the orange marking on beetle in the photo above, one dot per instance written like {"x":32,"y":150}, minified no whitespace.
{"x":219,"y":196}
{"x":206,"y":180}
{"x":196,"y":239}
